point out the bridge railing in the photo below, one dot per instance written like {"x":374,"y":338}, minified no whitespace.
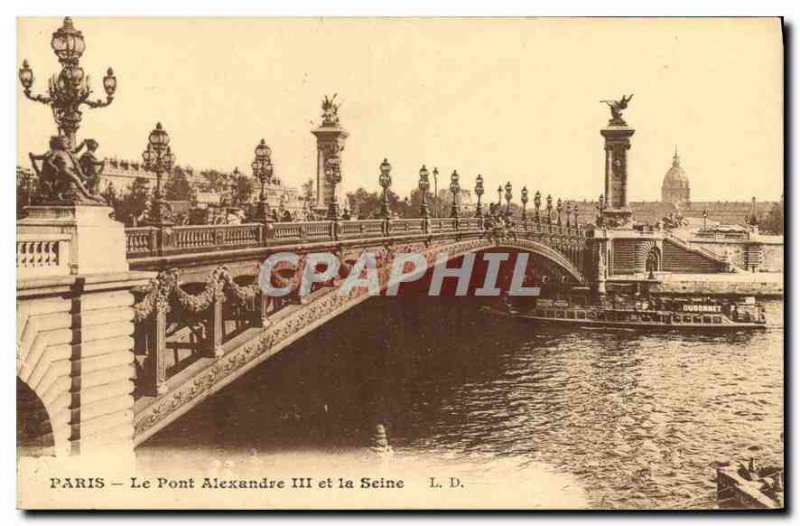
{"x":364,"y":228}
{"x":140,"y":240}
{"x":411,"y":226}
{"x":148,"y":241}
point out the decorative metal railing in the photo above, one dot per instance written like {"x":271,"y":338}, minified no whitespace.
{"x":143,"y":242}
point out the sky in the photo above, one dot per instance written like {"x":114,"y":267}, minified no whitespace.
{"x":512,"y":99}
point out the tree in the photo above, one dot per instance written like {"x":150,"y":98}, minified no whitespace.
{"x":26,"y":190}
{"x":243,"y":189}
{"x":132,"y":205}
{"x":178,"y":187}
{"x":307,"y":190}
{"x":215,"y":181}
{"x":414,"y":206}
{"x":773,"y":222}
{"x":364,"y":205}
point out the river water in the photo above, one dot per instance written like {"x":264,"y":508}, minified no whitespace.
{"x":638,"y":420}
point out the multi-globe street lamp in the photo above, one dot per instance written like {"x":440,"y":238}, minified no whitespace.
{"x":69,"y":89}
{"x":537,"y":203}
{"x":385,"y":180}
{"x":262,"y":170}
{"x":479,"y":193}
{"x":524,"y":198}
{"x":455,"y":189}
{"x":509,"y":196}
{"x":424,"y":185}
{"x":549,"y":209}
{"x":159,"y":159}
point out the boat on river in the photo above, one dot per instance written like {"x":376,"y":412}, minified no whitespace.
{"x":672,"y":314}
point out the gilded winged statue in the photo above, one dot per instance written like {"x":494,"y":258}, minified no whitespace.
{"x":330,"y":111}
{"x":616,"y":107}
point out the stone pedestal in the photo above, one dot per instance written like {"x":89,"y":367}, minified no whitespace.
{"x":617,"y":209}
{"x":94,"y":242}
{"x":330,"y":143}
{"x":74,"y":325}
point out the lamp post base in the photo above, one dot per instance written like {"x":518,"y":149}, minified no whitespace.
{"x":423,"y":211}
{"x":333,"y":211}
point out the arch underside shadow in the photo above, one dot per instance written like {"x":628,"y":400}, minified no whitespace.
{"x":34,"y":430}
{"x":299,"y":320}
{"x":551,"y":254}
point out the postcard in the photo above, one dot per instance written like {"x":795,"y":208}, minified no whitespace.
{"x":400,"y":263}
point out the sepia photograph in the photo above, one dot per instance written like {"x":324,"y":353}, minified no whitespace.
{"x":400,"y":263}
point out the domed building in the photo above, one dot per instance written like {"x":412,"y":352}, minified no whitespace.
{"x":675,"y":188}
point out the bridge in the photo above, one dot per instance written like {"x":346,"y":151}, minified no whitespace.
{"x":109,"y":358}
{"x":110,"y":355}
{"x":121,"y":331}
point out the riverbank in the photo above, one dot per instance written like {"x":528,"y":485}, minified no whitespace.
{"x":763,"y":284}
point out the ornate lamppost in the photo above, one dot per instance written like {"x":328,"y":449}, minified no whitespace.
{"x":262,"y":170}
{"x":479,"y":193}
{"x":524,"y":198}
{"x":705,"y":218}
{"x":537,"y":202}
{"x":69,"y":89}
{"x":572,"y":209}
{"x":499,"y":198}
{"x":601,"y":207}
{"x":424,"y":185}
{"x":233,"y":185}
{"x":282,"y":205}
{"x":385,"y":180}
{"x":435,"y":192}
{"x":559,"y":208}
{"x":455,"y":189}
{"x":509,"y":195}
{"x":549,"y":209}
{"x":333,"y":174}
{"x":158,"y":158}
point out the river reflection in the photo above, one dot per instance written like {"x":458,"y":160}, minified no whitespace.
{"x":639,"y":419}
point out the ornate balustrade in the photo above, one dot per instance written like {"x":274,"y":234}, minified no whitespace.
{"x":362,"y":228}
{"x":443,"y":225}
{"x":150,"y":241}
{"x":411,"y":226}
{"x":140,"y":240}
{"x":42,"y":255}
